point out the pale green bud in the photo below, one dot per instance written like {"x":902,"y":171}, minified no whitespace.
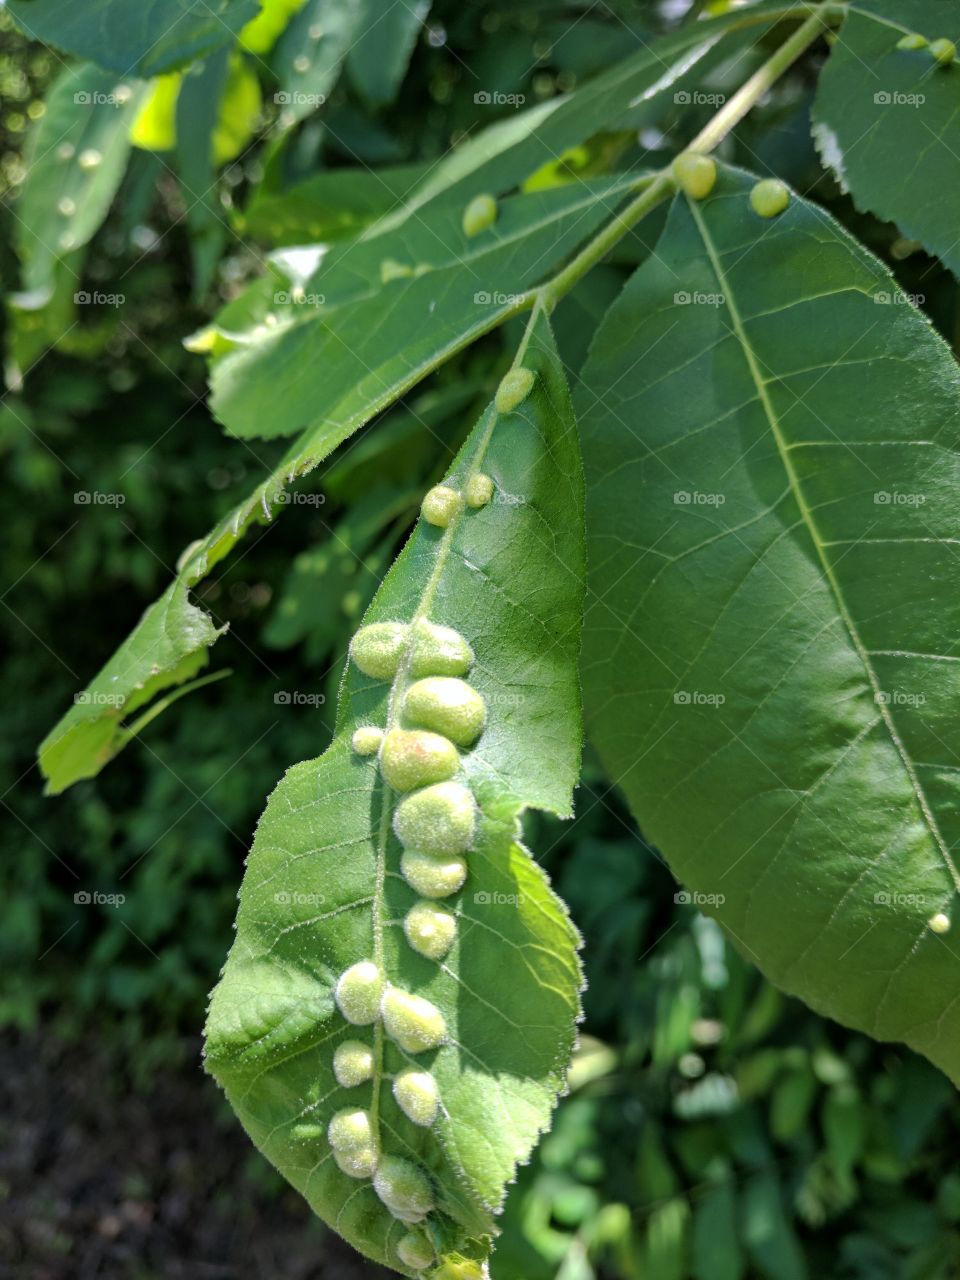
{"x":414,"y":1023}
{"x":940,"y":923}
{"x":415,"y":1251}
{"x":361,"y":1163}
{"x":430,"y":930}
{"x":514,"y":388}
{"x":479,"y":214}
{"x":350,"y":1130}
{"x":404,"y":1189}
{"x":479,"y":490}
{"x":439,"y":651}
{"x":417,"y":1096}
{"x":448,"y":706}
{"x":769,"y":197}
{"x":352,"y":1063}
{"x":415,"y":757}
{"x":358,"y":992}
{"x":695,"y":175}
{"x":943,"y":50}
{"x":440,"y":505}
{"x":366,"y":740}
{"x":912,"y":41}
{"x":433,"y":877}
{"x":378,"y":648}
{"x":438,"y":819}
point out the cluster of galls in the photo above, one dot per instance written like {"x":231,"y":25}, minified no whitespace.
{"x":437,"y":714}
{"x":942,"y":50}
{"x":696,"y":175}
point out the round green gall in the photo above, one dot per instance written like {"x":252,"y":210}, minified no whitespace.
{"x":912,"y":41}
{"x":411,"y":758}
{"x":413,"y":1023}
{"x":404,"y":1188}
{"x":696,"y":175}
{"x":438,"y":819}
{"x":448,"y":706}
{"x":378,"y":648}
{"x":459,"y":1269}
{"x":358,"y":992}
{"x":902,"y":248}
{"x":417,"y":1096}
{"x":943,"y":50}
{"x":366,"y":740}
{"x":479,"y":490}
{"x":352,"y":1063}
{"x":430,"y":930}
{"x":415,"y":1251}
{"x":439,"y":651}
{"x":351,"y":1130}
{"x":361,"y":1163}
{"x":440,"y":505}
{"x":514,"y":388}
{"x":940,"y":923}
{"x":433,"y":877}
{"x":769,"y":197}
{"x":479,"y":214}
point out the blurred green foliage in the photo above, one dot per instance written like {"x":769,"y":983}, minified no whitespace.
{"x":714,"y":1129}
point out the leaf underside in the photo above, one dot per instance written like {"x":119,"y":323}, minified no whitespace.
{"x":771,"y":655}
{"x":323,"y":884}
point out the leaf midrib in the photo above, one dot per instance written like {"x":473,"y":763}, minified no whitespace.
{"x":819,"y":543}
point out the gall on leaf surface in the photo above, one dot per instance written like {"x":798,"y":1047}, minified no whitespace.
{"x":323,"y":889}
{"x":885,"y":119}
{"x":772,"y":445}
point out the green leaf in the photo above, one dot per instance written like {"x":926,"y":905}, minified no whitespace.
{"x":330,"y":205}
{"x":198,"y":109}
{"x":501,"y":156}
{"x":884,"y":120}
{"x":75,"y":161}
{"x":167,"y":647}
{"x":143,"y":38}
{"x":323,"y":889}
{"x":378,"y":58}
{"x":349,"y":343}
{"x":309,"y":55}
{"x":771,"y":664}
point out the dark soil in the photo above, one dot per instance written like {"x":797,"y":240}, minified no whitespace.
{"x":104,"y":1180}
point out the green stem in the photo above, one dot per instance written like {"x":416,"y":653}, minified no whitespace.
{"x":661,"y":185}
{"x":762,"y":80}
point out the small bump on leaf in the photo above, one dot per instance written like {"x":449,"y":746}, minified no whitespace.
{"x":479,"y":214}
{"x":438,"y":819}
{"x":912,"y":41}
{"x":413,"y":1023}
{"x":769,"y":197}
{"x":440,"y":505}
{"x":350,"y":1130}
{"x":404,"y":1189}
{"x":357,"y":1164}
{"x":415,"y":1251}
{"x":358,"y":991}
{"x":944,"y":50}
{"x":413,"y":758}
{"x":439,"y":651}
{"x":377,"y":649}
{"x":479,"y":490}
{"x":448,"y":706}
{"x":430,"y":930}
{"x":695,"y":175}
{"x":366,"y":740}
{"x":417,"y":1096}
{"x":514,"y":388}
{"x":352,"y":1063}
{"x":433,"y":877}
{"x":940,"y":923}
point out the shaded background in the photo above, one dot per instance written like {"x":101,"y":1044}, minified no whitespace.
{"x":714,"y":1129}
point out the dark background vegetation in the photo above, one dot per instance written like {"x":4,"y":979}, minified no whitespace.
{"x":714,"y":1128}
